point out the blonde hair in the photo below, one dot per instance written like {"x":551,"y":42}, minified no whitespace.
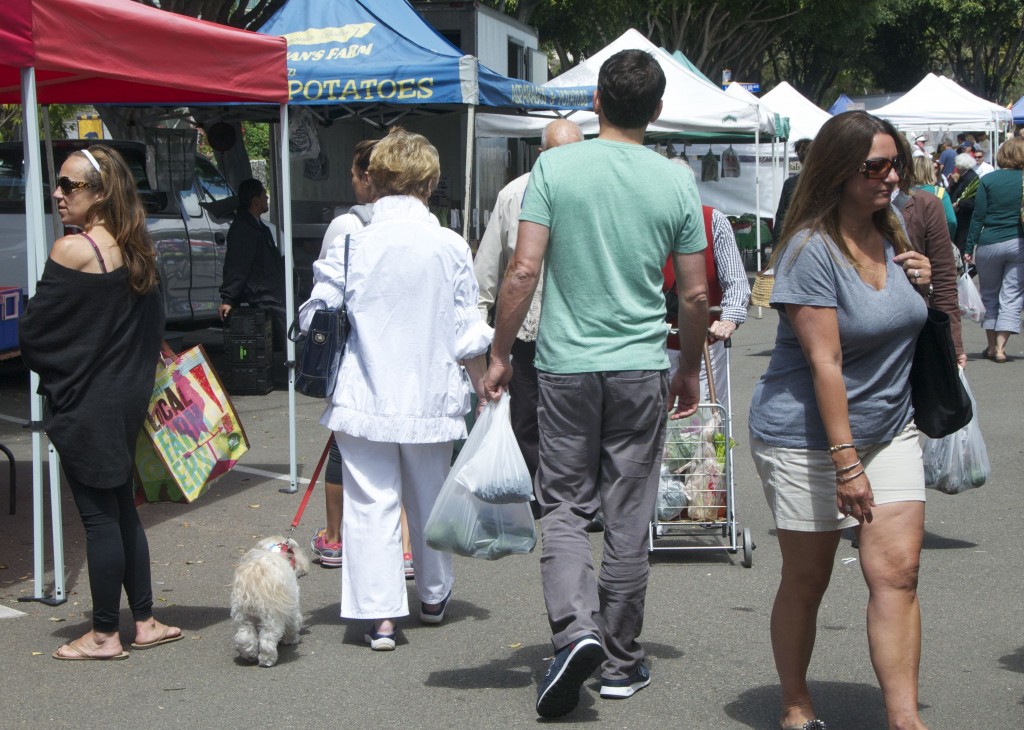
{"x":923,"y":172}
{"x":1011,"y":153}
{"x":404,"y":163}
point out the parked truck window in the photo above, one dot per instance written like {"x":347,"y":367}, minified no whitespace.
{"x":188,"y":227}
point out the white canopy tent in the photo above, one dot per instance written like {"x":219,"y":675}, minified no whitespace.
{"x":693,"y":110}
{"x":805,"y":117}
{"x":938,"y":103}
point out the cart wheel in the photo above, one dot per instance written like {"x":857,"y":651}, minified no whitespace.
{"x":748,"y":548}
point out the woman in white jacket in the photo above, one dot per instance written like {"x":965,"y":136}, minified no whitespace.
{"x":403,"y":388}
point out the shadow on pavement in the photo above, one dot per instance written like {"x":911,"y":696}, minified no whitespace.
{"x":938,"y":542}
{"x":842,"y":705}
{"x":1014,"y":662}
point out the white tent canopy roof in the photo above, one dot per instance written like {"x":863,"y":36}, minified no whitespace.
{"x":805,"y":118}
{"x":692,"y":105}
{"x":939,"y":103}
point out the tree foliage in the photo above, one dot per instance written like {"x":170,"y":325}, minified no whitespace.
{"x":10,"y":120}
{"x":821,"y":47}
{"x":978,"y":43}
{"x":247,"y":14}
{"x":715,"y":35}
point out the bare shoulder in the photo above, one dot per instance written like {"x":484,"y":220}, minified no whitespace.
{"x":73,"y":252}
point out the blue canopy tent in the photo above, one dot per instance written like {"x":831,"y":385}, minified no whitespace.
{"x":363,"y":57}
{"x":1018,"y":112}
{"x":380,"y":51}
{"x":839,"y":105}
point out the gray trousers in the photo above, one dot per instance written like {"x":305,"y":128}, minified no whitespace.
{"x":1001,"y":273}
{"x":601,"y":436}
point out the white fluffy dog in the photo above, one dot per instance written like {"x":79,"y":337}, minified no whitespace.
{"x":265,"y":599}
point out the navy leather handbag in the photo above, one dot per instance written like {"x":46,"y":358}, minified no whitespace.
{"x":322,"y":347}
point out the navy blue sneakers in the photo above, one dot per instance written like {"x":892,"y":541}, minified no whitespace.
{"x":559,"y":691}
{"x":620,"y":689}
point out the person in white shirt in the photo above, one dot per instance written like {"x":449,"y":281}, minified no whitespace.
{"x":403,"y":391}
{"x":919,"y":144}
{"x":983,"y":167}
{"x":492,"y":257}
{"x":326,"y":542}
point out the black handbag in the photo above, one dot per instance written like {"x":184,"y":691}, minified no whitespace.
{"x":322,"y":347}
{"x":941,"y":403}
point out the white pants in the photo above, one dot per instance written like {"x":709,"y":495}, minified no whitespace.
{"x":718,"y":370}
{"x":377,"y":478}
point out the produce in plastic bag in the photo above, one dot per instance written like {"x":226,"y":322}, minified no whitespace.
{"x":971,"y":305}
{"x":672,"y":499}
{"x":464,"y":524}
{"x":496,"y":472}
{"x":959,"y":461}
{"x":681,"y":440}
{"x":703,"y":485}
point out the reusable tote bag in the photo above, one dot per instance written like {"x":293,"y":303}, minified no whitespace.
{"x":192,"y":434}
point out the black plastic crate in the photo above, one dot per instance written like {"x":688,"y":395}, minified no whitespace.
{"x":248,"y":351}
{"x":247,"y":322}
{"x":247,"y":380}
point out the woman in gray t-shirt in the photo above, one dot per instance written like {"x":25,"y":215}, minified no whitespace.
{"x":831,"y":422}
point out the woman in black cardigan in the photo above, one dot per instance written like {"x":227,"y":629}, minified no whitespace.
{"x":92,"y":332}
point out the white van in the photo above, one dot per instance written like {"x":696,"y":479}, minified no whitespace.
{"x":189,"y":227}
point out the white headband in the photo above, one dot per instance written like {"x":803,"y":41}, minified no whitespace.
{"x":91,"y":159}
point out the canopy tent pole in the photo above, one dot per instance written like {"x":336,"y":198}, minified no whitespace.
{"x":757,"y":197}
{"x":34,"y":215}
{"x":467,"y":201}
{"x":285,"y":236}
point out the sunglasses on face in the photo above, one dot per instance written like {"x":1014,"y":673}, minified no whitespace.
{"x":878,"y":168}
{"x":68,"y":186}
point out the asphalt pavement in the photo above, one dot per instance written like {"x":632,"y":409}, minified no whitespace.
{"x":706,"y":628}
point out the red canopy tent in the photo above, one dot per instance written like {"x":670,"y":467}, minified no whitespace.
{"x":120,"y":52}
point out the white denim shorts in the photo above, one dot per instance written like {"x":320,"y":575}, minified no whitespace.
{"x":800,"y":484}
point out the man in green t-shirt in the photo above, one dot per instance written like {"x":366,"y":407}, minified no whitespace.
{"x":603,"y":215}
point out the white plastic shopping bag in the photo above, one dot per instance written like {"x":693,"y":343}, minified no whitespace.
{"x":971,"y":305}
{"x":464,"y":524}
{"x":496,"y":471}
{"x":957,"y":462}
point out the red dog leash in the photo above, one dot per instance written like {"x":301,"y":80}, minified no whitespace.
{"x":312,"y":483}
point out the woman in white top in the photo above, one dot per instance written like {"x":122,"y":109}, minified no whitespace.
{"x":403,"y":388}
{"x":326,"y":543}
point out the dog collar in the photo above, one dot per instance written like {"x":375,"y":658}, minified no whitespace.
{"x":285,"y":549}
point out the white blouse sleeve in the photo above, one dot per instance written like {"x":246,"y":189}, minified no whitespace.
{"x":472,"y":333}
{"x":328,"y":286}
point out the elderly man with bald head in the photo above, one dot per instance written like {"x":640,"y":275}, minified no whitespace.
{"x":496,"y":248}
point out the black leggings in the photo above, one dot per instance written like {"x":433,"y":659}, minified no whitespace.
{"x":117,"y":554}
{"x":333,"y":472}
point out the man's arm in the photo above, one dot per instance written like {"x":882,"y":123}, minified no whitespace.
{"x":490,"y":261}
{"x":732,"y":276}
{"x":692,"y":289}
{"x":514,"y":299}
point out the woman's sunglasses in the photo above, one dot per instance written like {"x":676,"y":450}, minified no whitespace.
{"x":68,"y":186}
{"x":878,"y":168}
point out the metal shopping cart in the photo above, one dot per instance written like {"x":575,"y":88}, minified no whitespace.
{"x":696,"y":495}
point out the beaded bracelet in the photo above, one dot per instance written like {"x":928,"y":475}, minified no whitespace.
{"x":839,"y":447}
{"x":851,"y":467}
{"x":850,"y":478}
